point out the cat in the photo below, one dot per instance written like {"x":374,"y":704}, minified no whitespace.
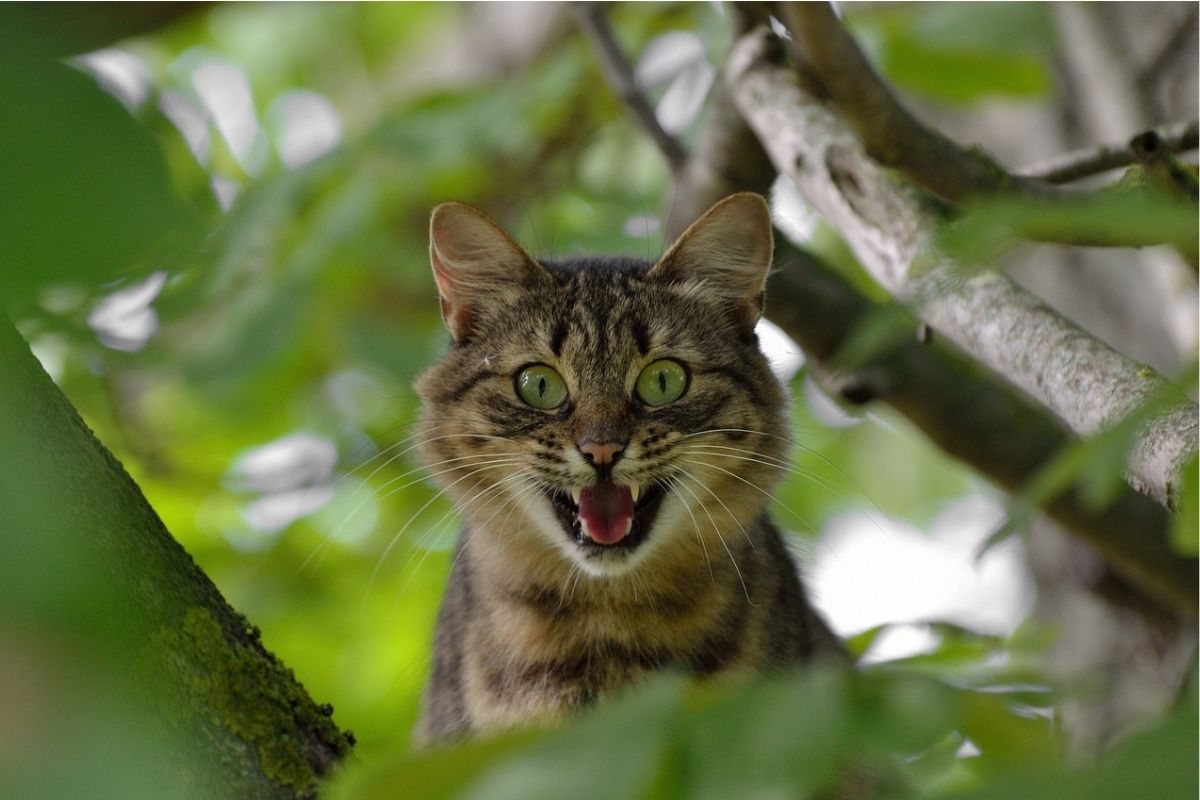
{"x":611,"y":434}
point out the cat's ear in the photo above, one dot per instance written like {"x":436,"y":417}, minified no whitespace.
{"x":474,"y":263}
{"x":729,"y":250}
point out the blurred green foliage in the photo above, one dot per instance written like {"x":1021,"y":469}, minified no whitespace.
{"x":297,"y":300}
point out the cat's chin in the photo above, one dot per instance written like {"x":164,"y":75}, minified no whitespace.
{"x":607,"y":558}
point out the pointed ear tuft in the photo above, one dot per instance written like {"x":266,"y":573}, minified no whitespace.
{"x":474,"y":263}
{"x":729,"y":250}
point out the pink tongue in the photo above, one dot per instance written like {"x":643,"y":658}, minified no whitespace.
{"x":606,"y":512}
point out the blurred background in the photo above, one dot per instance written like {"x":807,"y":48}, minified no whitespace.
{"x":227,"y":276}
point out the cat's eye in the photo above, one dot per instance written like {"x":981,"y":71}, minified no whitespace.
{"x":541,"y":387}
{"x":662,"y":382}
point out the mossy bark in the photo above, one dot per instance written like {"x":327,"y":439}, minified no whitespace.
{"x":83,"y":554}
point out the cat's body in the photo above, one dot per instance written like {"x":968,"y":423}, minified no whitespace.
{"x":611,"y":433}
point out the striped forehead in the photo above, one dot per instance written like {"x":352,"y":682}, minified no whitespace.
{"x":601,"y":322}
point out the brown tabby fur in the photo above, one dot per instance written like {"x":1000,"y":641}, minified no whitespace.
{"x":532,"y":626}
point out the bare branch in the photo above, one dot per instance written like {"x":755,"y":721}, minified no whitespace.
{"x":827,"y":55}
{"x":619,"y":75}
{"x":1175,"y":138}
{"x":963,"y":409}
{"x":832,"y":66}
{"x":1101,"y":70}
{"x":974,"y":417}
{"x":1082,"y":380}
{"x":1174,"y":48}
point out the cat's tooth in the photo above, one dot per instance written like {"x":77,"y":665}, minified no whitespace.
{"x":635,"y":490}
{"x":575,"y":492}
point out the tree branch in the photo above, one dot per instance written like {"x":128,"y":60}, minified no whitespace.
{"x":619,"y":76}
{"x":1176,"y":138}
{"x":973,"y":417}
{"x":829,"y":57}
{"x":1175,"y":46}
{"x":964,"y":410}
{"x":78,"y":539}
{"x":1082,"y":380}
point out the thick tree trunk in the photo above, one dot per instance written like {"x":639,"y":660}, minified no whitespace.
{"x":82,"y":553}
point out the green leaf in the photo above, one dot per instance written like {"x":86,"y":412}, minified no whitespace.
{"x":883,"y":330}
{"x":962,"y":76}
{"x":1135,"y":218}
{"x":960,"y":53}
{"x":87,"y":197}
{"x":1184,"y":536}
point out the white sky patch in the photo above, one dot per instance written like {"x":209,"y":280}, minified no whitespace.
{"x":901,"y":641}
{"x":123,"y":75}
{"x":188,"y":118}
{"x":274,"y":512}
{"x":293,"y":476}
{"x":684,"y":98}
{"x":968,"y":749}
{"x":289,"y":462}
{"x":125,"y":319}
{"x":783,"y":354}
{"x":677,"y":59}
{"x":225,"y":93}
{"x":225,"y":190}
{"x":641,"y":226}
{"x":862,"y":576}
{"x":825,"y":409}
{"x":307,"y":127}
{"x":51,"y":350}
{"x":790,"y":212}
{"x":668,"y":55}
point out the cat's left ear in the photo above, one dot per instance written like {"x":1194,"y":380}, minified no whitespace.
{"x":475,"y":263}
{"x":729,"y":250}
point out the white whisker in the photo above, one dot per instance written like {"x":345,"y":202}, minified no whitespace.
{"x":720,"y":538}
{"x":674,"y":485}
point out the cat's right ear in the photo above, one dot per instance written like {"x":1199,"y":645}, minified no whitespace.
{"x":474,"y":262}
{"x":728,"y":250}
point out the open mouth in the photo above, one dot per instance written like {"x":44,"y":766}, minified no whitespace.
{"x":607,"y":516}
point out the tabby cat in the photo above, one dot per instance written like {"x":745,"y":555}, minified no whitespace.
{"x":610,"y":431}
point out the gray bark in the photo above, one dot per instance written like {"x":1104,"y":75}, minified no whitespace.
{"x":1086,"y":383}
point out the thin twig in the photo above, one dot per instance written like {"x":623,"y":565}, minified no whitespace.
{"x":1176,"y":138}
{"x":619,"y":76}
{"x":1174,"y":47}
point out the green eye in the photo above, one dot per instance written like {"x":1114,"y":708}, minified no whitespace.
{"x":541,"y":387}
{"x":662,"y":382}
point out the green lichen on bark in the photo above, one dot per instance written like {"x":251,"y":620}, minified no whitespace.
{"x":232,"y":682}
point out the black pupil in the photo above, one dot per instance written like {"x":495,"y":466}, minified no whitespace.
{"x":541,"y":387}
{"x":662,"y":381}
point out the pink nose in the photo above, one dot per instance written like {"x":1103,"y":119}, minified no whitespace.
{"x":601,"y":452}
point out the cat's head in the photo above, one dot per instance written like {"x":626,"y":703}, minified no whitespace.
{"x":615,"y":410}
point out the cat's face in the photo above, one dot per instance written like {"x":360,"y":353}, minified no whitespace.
{"x":607,"y":408}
